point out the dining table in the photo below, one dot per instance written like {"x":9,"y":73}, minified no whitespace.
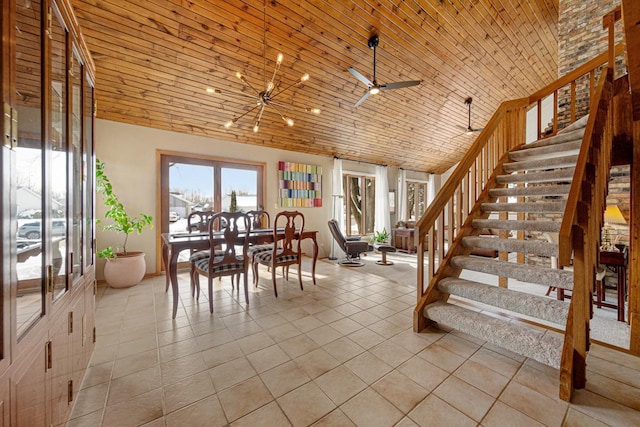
{"x":174,"y":243}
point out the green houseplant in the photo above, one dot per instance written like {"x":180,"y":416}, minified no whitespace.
{"x":381,"y":236}
{"x":123,"y":268}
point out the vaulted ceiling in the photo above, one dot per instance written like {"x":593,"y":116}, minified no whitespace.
{"x":155,"y":60}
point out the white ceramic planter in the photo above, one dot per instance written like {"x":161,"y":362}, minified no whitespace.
{"x":125,"y":271}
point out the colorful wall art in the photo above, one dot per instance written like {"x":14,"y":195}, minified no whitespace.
{"x":300,"y":185}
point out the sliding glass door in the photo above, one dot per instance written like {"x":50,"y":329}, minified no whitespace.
{"x":190,"y":183}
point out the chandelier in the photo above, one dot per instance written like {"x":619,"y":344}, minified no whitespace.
{"x":267,"y":97}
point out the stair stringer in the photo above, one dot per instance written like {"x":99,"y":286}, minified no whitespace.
{"x":438,"y":305}
{"x":447,"y":269}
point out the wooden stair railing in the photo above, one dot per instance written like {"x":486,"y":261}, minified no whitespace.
{"x":504,"y":131}
{"x":579,"y":236}
{"x":448,"y":218}
{"x":458,"y":201}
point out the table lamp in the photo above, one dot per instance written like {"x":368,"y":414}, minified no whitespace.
{"x":612,"y":216}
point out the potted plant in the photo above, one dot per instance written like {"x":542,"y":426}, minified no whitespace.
{"x":381,"y":236}
{"x":123,"y":268}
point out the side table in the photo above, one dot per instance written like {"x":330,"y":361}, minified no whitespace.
{"x":617,"y":261}
{"x":403,"y":239}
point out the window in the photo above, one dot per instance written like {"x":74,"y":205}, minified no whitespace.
{"x":192,"y":183}
{"x":359,"y":200}
{"x":416,"y":199}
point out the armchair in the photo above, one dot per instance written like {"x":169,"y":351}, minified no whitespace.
{"x":352,"y":246}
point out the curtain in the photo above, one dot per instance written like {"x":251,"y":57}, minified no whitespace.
{"x":431,"y":189}
{"x":382,"y":218}
{"x":337,"y":196}
{"x":337,"y":193}
{"x":401,"y":204}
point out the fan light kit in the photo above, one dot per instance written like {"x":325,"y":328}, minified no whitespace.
{"x":267,"y":96}
{"x":470,"y":130}
{"x":373,"y":87}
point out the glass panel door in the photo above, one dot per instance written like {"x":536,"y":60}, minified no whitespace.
{"x":191,"y":184}
{"x":370,"y":205}
{"x":89,"y":172}
{"x":75,"y":166}
{"x":359,"y":204}
{"x":58,"y":203}
{"x":244,"y":184}
{"x":29,"y":163}
{"x":191,"y":189}
{"x":416,"y":200}
{"x":353,"y":201}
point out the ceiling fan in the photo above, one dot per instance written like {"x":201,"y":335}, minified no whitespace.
{"x":469,"y":130}
{"x":373,"y":87}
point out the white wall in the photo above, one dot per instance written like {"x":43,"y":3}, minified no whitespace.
{"x":129,"y":153}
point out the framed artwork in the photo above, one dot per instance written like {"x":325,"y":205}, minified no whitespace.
{"x":300,"y":185}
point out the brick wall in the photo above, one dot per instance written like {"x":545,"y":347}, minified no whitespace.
{"x":581,"y":38}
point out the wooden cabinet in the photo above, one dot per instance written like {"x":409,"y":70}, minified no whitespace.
{"x":47,"y":208}
{"x":403,"y":239}
{"x":28,"y":390}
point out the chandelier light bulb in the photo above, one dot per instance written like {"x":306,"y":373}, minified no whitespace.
{"x":211,"y":90}
{"x":374,"y":91}
{"x":265,"y":98}
{"x":288,"y":120}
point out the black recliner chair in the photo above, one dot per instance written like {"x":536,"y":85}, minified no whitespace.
{"x":352,"y":245}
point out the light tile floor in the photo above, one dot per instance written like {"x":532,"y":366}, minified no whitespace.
{"x":340,"y":353}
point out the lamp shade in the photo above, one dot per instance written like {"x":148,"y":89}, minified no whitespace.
{"x":612,"y":215}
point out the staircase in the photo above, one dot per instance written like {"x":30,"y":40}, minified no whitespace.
{"x":532,"y":174}
{"x":565,"y":176}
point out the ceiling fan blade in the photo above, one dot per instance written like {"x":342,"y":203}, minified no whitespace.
{"x":360,"y":77}
{"x":398,"y":85}
{"x":361,"y":100}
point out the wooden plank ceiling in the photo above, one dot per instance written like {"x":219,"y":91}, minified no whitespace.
{"x":155,"y":60}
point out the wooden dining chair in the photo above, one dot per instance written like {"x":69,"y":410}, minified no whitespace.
{"x":286,"y":251}
{"x":232,"y":259}
{"x":197,"y":222}
{"x":259,"y":220}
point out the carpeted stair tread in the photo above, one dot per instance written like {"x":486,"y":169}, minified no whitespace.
{"x":538,"y":207}
{"x":549,"y":309}
{"x":546,"y":151}
{"x":560,"y":138}
{"x":532,"y":190}
{"x":581,"y":123}
{"x":558,"y":175}
{"x":537,"y":247}
{"x":542,"y":346}
{"x":528,"y":165}
{"x":524,"y":225}
{"x":524,"y":272}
